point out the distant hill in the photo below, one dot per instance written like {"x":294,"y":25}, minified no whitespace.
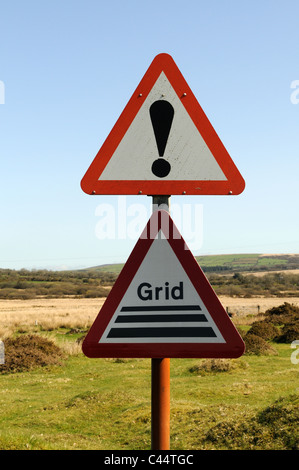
{"x":222,"y":264}
{"x":248,"y":262}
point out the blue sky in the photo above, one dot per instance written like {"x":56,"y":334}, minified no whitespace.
{"x":69,"y":67}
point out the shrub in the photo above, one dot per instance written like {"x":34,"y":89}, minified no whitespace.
{"x":29,"y":351}
{"x":264,"y":329}
{"x":283,"y":314}
{"x":287,"y":316}
{"x":256,"y":345}
{"x":217,"y":365}
{"x":285,"y":410}
{"x":289,"y":333}
{"x":97,"y":292}
{"x":275,"y":427}
{"x":283,"y":309}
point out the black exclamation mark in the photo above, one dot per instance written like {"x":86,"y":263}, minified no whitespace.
{"x":161,"y":113}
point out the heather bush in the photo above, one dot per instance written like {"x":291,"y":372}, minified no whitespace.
{"x":27,"y":352}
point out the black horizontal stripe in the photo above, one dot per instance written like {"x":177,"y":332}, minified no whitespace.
{"x":164,"y":308}
{"x":167,"y":332}
{"x":161,"y":318}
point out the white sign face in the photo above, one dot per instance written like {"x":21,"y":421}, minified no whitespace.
{"x":186,"y":152}
{"x":161,"y":305}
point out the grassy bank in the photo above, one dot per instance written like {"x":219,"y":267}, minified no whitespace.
{"x":105,"y":403}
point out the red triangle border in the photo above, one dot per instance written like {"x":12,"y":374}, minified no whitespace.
{"x":234,"y":346}
{"x":234,"y":184}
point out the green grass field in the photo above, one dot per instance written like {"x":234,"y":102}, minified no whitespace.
{"x":105,"y":404}
{"x":242,"y":261}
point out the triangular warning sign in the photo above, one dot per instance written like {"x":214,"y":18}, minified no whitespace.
{"x":162,"y":304}
{"x":163,"y":143}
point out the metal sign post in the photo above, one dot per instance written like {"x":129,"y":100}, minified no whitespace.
{"x":160,"y":392}
{"x":160,"y":402}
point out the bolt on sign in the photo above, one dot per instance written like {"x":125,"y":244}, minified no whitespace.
{"x":162,"y":308}
{"x":163,"y":143}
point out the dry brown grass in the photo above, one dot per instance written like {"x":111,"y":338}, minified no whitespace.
{"x":241,"y":307}
{"x":48,"y":314}
{"x":264,"y":273}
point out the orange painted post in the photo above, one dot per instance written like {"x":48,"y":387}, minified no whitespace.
{"x":160,"y":404}
{"x":160,"y":393}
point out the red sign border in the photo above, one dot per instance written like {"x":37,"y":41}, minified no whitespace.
{"x":234,"y":346}
{"x":235,"y":183}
